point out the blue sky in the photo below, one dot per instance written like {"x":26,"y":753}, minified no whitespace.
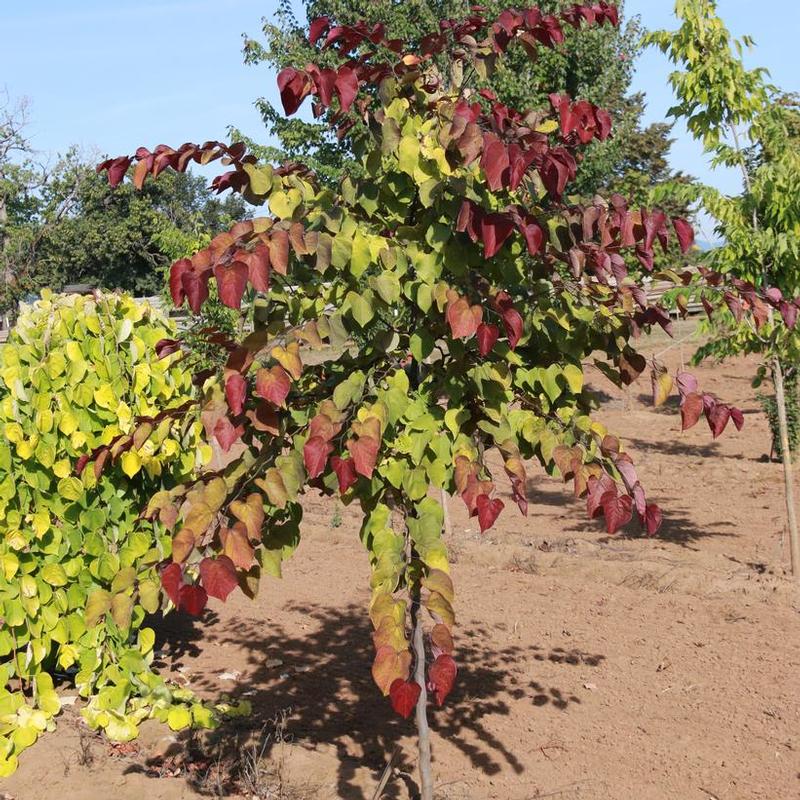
{"x":109,"y":76}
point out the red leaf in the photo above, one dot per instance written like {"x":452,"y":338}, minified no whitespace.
{"x":258,"y":267}
{"x":232,"y":281}
{"x":117,"y":169}
{"x":176,"y":274}
{"x":534,"y":235}
{"x":166,"y":347}
{"x":193,"y":600}
{"x":488,"y":511}
{"x":441,"y":677}
{"x":487,"y":338}
{"x":346,"y":87}
{"x":738,"y":418}
{"x":558,"y":167}
{"x":463,"y":318}
{"x":512,"y":319}
{"x":495,"y":229}
{"x":512,"y":322}
{"x":235,"y":393}
{"x":345,"y":470}
{"x":618,"y":510}
{"x":294,"y":86}
{"x":218,"y":576}
{"x":691,"y":409}
{"x":653,"y":519}
{"x":404,"y":696}
{"x":315,"y":455}
{"x":226,"y":433}
{"x":685,"y":233}
{"x":273,"y":384}
{"x":364,"y":451}
{"x":279,"y":251}
{"x":171,"y":581}
{"x":494,"y":162}
{"x":195,"y":286}
{"x":718,"y":415}
{"x":80,"y":464}
{"x":325,"y":81}
{"x":598,"y":488}
{"x":318,"y":28}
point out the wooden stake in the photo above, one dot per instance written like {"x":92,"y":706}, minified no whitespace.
{"x":788,"y":476}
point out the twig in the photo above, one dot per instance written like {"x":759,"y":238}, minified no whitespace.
{"x":387,"y":772}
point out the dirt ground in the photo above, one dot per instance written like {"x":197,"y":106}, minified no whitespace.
{"x":590,"y":666}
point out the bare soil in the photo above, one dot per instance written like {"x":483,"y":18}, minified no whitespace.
{"x":590,"y":666}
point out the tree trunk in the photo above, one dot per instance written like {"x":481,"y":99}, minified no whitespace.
{"x":423,"y":731}
{"x":788,"y":477}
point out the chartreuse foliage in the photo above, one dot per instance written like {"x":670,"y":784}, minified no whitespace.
{"x":442,"y":304}
{"x":78,"y":569}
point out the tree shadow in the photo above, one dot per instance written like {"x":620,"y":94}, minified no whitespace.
{"x":324,"y":679}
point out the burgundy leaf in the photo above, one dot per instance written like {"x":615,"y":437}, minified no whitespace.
{"x":346,"y":87}
{"x":691,"y":409}
{"x":495,"y":229}
{"x":218,"y":576}
{"x":195,"y":286}
{"x":441,"y":677}
{"x":494,"y":162}
{"x":166,"y":347}
{"x":404,"y":696}
{"x":685,"y":233}
{"x":193,"y":600}
{"x":737,"y":417}
{"x":294,"y":85}
{"x":318,"y":28}
{"x":718,"y":415}
{"x":315,"y":455}
{"x":235,"y":393}
{"x":653,"y":519}
{"x":345,"y":470}
{"x":231,"y":281}
{"x":171,"y":581}
{"x":618,"y":511}
{"x":487,"y":336}
{"x":176,"y":274}
{"x":488,"y":511}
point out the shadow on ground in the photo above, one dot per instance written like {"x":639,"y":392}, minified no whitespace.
{"x":323,"y":679}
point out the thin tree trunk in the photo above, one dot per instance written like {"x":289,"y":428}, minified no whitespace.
{"x":423,"y":731}
{"x":788,"y":477}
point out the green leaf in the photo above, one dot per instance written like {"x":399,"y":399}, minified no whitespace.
{"x":360,"y":308}
{"x":97,"y":606}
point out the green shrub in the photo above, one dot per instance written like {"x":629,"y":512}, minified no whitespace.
{"x":78,"y":568}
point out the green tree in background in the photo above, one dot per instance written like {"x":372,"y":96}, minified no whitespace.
{"x":745,"y":123}
{"x":62,"y":224}
{"x":125,"y":240}
{"x":594,"y":64}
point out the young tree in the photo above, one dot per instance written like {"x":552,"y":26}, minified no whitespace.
{"x":405,"y":321}
{"x":745,"y":123}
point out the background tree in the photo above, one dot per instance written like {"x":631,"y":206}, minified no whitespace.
{"x":745,"y":123}
{"x":61,"y":224}
{"x":595,"y":64}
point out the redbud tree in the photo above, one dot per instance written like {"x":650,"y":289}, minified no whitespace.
{"x":441,"y":305}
